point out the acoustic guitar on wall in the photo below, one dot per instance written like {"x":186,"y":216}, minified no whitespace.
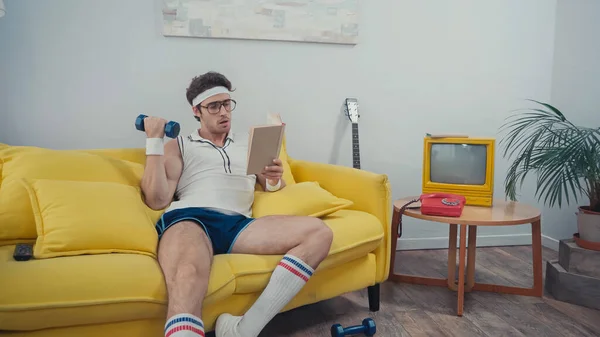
{"x":353,"y":115}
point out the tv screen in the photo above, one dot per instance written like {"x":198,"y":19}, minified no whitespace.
{"x":458,"y":164}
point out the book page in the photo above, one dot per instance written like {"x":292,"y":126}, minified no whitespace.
{"x":274,"y":119}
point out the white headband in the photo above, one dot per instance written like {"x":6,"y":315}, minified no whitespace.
{"x":209,"y":93}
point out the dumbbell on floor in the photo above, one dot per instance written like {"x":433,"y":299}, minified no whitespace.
{"x":367,"y":328}
{"x":171,"y":128}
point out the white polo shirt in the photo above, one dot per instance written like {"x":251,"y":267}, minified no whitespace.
{"x":215,"y":176}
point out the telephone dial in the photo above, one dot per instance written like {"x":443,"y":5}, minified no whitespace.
{"x":436,"y":204}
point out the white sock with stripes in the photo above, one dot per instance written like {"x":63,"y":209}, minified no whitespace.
{"x":288,"y":278}
{"x":184,"y":325}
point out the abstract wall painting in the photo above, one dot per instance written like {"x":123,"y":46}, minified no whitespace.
{"x":321,"y":21}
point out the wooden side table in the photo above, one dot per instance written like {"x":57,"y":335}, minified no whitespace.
{"x":502,"y":213}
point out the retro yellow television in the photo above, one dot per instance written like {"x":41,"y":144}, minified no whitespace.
{"x":459,"y":164}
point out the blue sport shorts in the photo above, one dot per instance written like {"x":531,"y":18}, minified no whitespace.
{"x":222,"y":228}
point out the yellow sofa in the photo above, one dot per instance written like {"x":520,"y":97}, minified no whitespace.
{"x":73,"y":288}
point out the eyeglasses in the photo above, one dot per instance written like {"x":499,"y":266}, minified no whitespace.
{"x":214,"y":107}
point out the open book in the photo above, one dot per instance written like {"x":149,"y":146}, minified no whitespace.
{"x":264,"y":144}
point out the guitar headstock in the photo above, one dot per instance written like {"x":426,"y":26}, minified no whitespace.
{"x":352,"y":109}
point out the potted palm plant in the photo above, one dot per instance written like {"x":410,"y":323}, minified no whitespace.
{"x":566,"y":159}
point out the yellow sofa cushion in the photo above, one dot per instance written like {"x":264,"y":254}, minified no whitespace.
{"x":79,"y":217}
{"x":74,"y":290}
{"x":90,"y":289}
{"x":17,"y":222}
{"x":355,"y":234}
{"x":306,"y":199}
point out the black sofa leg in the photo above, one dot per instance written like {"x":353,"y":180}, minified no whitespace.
{"x":373,"y":297}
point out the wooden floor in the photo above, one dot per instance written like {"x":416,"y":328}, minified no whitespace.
{"x":414,"y":310}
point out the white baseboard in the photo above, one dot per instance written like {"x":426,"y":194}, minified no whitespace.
{"x":550,"y":242}
{"x":482,"y":241}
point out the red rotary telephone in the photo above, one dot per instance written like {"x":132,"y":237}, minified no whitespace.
{"x":442,"y":204}
{"x":437,"y":204}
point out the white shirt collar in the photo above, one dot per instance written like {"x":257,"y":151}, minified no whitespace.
{"x":196,"y":136}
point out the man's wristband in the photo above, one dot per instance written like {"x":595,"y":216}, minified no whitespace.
{"x":273,"y":188}
{"x":155,"y":146}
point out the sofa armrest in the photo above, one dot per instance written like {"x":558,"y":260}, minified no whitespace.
{"x":370,"y":192}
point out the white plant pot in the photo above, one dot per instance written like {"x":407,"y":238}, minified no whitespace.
{"x":588,"y":224}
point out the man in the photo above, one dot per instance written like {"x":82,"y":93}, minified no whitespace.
{"x":212,"y":214}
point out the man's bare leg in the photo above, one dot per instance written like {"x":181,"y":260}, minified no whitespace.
{"x":185,"y":256}
{"x":305,"y":243}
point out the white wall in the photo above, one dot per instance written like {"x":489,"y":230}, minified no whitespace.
{"x":75,"y":74}
{"x":576,"y":81}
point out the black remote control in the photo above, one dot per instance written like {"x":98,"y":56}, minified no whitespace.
{"x":23,"y":251}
